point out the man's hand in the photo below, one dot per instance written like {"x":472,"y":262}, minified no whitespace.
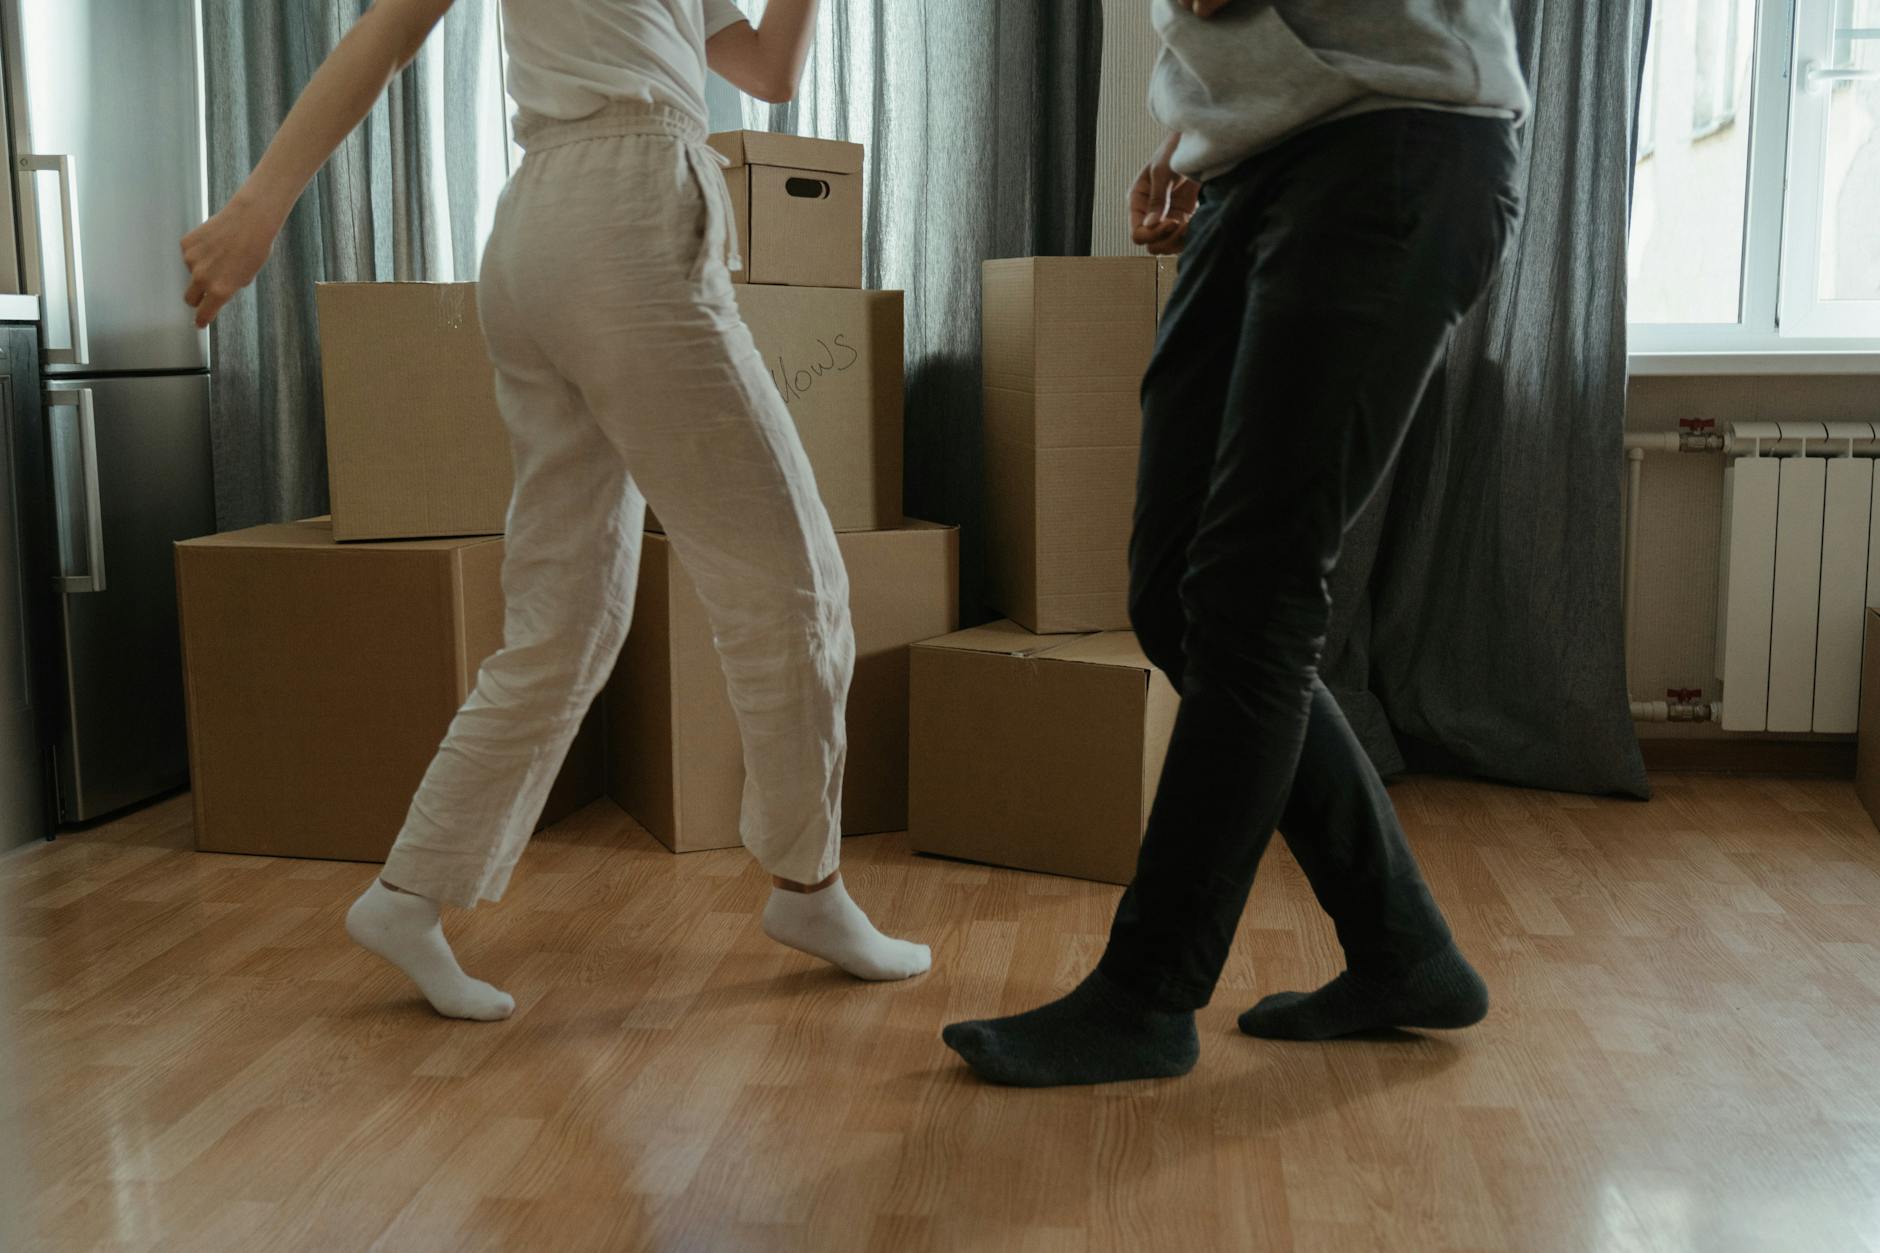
{"x":1204,"y":8}
{"x":1162,"y":203}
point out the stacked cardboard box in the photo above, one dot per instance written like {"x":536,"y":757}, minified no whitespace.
{"x":1036,"y":742}
{"x":1039,"y":752}
{"x":320,"y":678}
{"x":1066,"y":341}
{"x":675,"y":762}
{"x":325,"y":658}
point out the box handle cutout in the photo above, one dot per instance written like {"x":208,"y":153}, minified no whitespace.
{"x":807,"y":188}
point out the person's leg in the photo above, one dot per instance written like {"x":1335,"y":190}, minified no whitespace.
{"x":1184,"y":396}
{"x":570,"y":562}
{"x":1338,"y":819}
{"x":1401,"y":965}
{"x":678,"y":386}
{"x":1365,"y":242}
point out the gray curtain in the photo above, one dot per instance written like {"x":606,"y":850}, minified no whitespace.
{"x":408,"y":197}
{"x":1477,"y":608}
{"x":980,"y":121}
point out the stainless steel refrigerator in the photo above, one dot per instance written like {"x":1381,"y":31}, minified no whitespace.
{"x":105,"y":137}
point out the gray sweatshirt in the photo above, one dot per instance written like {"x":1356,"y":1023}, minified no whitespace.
{"x":1261,"y":70}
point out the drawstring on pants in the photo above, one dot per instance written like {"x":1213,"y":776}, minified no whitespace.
{"x":721,"y":231}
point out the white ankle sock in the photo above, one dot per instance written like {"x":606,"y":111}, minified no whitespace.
{"x":405,"y":930}
{"x":827,"y":924}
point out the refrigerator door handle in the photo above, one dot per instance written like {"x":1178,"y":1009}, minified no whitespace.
{"x":29,"y":167}
{"x":80,"y":398}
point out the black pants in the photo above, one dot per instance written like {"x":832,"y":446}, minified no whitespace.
{"x":1319,"y":287}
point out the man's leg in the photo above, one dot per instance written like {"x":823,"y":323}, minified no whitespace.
{"x":1367,"y":240}
{"x":1184,"y":395}
{"x":1401,"y":966}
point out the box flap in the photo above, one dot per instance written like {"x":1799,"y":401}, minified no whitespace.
{"x":318,"y":533}
{"x":794,"y":152}
{"x":1111,"y":648}
{"x":1007,"y":639}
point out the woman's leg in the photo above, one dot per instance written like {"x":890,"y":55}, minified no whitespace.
{"x":664,"y":362}
{"x":570,"y":564}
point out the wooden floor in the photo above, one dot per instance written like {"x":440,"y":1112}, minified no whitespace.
{"x":1684,"y":1054}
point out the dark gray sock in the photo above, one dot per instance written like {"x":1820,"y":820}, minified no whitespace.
{"x":1441,"y":992}
{"x":1100,"y":1033}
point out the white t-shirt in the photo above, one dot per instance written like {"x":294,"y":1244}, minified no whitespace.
{"x":569,"y":58}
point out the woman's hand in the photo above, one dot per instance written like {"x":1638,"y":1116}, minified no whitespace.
{"x":1162,"y":203}
{"x":224,"y":254}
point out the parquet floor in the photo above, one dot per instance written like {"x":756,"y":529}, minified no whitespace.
{"x":1684,"y":1054}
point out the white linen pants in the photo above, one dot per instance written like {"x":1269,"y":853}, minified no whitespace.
{"x":626,"y":377}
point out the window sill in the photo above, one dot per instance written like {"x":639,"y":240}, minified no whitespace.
{"x":1673,"y":364}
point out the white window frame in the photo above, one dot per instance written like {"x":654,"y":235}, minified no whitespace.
{"x":1779,"y":330}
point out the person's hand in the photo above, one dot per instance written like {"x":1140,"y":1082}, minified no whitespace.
{"x":224,"y":254}
{"x":1204,"y":8}
{"x":1162,"y":203}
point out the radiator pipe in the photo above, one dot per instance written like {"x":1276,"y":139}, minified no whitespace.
{"x":1815,"y":439}
{"x":1677,"y":711}
{"x":1642,"y":442}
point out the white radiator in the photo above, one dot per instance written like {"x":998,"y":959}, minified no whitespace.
{"x":1800,"y":566}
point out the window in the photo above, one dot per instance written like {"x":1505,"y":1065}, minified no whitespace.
{"x":1754,"y":223}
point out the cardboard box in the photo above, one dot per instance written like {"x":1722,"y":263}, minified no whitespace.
{"x":799,"y":208}
{"x":321,"y":679}
{"x":837,"y":357}
{"x":417,"y":449}
{"x":1066,"y":343}
{"x":1038,"y":752}
{"x":1867,"y":773}
{"x":675,"y":760}
{"x":1167,"y":270}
